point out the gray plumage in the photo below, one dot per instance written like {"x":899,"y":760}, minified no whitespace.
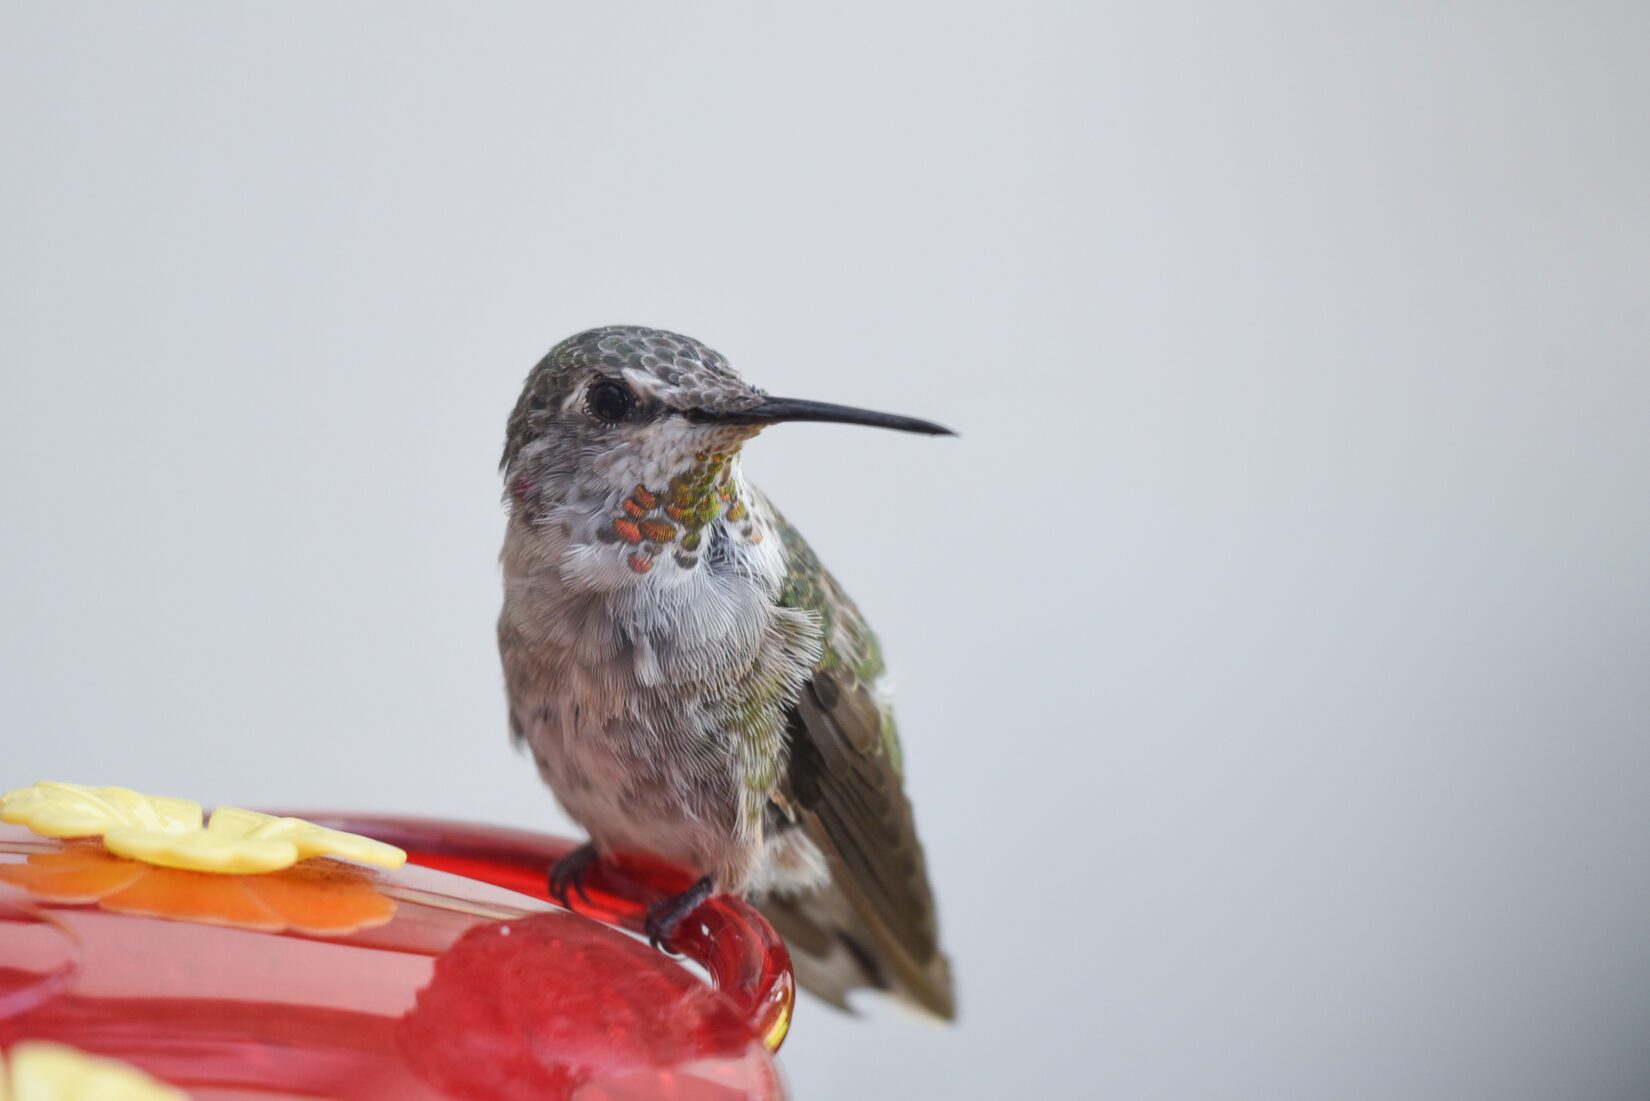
{"x":689,"y":680}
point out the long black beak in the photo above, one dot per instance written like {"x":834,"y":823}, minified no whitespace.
{"x":774,"y":410}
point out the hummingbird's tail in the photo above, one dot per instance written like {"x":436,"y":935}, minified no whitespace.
{"x":834,"y":950}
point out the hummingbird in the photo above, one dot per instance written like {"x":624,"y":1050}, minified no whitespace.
{"x":689,"y":679}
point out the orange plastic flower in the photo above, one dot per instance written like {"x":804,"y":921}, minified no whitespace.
{"x":318,"y":898}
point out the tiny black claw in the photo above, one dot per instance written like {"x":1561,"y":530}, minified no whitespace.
{"x":666,"y":915}
{"x":567,"y":875}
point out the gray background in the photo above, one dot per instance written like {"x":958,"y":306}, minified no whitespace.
{"x":1273,"y":647}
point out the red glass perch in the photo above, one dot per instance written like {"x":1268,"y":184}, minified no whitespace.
{"x":746,"y":959}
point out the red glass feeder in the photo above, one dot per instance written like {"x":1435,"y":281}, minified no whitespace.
{"x":453,"y":977}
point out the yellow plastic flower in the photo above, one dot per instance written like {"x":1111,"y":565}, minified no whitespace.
{"x":168,"y":831}
{"x":70,"y":810}
{"x":245,"y":841}
{"x":42,"y":1071}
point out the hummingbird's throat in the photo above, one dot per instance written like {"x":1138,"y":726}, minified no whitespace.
{"x":674,"y":518}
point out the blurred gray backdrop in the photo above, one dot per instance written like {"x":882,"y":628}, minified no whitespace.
{"x":1273,"y":647}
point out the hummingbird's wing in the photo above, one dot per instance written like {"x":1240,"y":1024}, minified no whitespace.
{"x":874,"y":925}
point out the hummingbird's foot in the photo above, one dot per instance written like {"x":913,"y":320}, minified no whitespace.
{"x":664,"y":916}
{"x":567,"y":875}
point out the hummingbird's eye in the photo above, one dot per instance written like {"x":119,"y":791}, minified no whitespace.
{"x":610,"y":400}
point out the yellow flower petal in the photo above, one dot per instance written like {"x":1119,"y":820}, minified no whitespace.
{"x":310,"y":839}
{"x":54,"y":809}
{"x":42,"y":1071}
{"x":203,"y":851}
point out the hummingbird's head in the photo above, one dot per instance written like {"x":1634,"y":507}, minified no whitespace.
{"x":612,"y":409}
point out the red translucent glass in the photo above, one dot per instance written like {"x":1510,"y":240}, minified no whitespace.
{"x":452,"y":978}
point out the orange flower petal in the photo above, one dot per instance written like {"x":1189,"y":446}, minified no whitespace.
{"x":73,"y":875}
{"x":320,"y":900}
{"x":196,"y":896}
